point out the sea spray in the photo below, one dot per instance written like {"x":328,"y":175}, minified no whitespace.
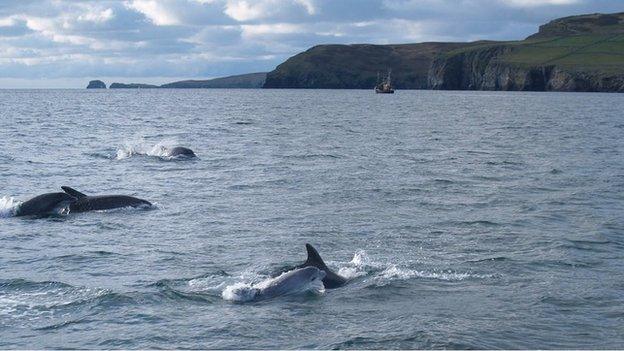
{"x":8,"y":206}
{"x":142,"y":147}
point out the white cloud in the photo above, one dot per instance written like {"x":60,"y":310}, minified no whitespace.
{"x":155,"y":11}
{"x":97,"y":16}
{"x":251,"y":30}
{"x":308,"y":5}
{"x":242,"y":10}
{"x":7,"y":21}
{"x":247,"y":10}
{"x":536,"y":3}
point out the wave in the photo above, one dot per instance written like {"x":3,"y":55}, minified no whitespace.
{"x":25,"y":302}
{"x":358,"y":266}
{"x":383,"y":273}
{"x":8,"y":206}
{"x":395,"y":272}
{"x":143,"y":148}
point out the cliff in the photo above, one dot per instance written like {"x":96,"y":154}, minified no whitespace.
{"x":576,"y":63}
{"x":357,"y":66}
{"x":578,"y":53}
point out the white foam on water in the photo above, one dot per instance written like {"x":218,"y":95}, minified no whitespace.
{"x":239,"y":292}
{"x":382,"y":273}
{"x":142,"y":147}
{"x":357,"y":267}
{"x":207,"y":284}
{"x":8,"y":206}
{"x":393,"y":273}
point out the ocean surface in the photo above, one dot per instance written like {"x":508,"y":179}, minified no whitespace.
{"x":462,"y":219}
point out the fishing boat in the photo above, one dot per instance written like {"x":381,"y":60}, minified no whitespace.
{"x":384,"y":86}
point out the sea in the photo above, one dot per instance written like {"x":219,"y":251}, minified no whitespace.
{"x":462,"y":220}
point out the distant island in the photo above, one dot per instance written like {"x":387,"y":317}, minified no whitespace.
{"x":96,"y":84}
{"x":577,"y":53}
{"x":241,"y":81}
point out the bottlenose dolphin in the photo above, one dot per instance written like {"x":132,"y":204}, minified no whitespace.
{"x":294,"y":281}
{"x":45,"y":205}
{"x":85,"y":203}
{"x":331,"y":280}
{"x":179,"y":151}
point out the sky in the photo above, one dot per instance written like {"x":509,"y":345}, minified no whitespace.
{"x":66,"y":43}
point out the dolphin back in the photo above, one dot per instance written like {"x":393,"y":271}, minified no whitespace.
{"x":45,"y":204}
{"x":290,"y":282}
{"x":106,"y":202}
{"x":181,"y":151}
{"x":73,"y":192}
{"x":331,"y":280}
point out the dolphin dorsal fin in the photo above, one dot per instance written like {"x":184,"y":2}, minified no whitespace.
{"x":314,"y":259}
{"x":73,"y":192}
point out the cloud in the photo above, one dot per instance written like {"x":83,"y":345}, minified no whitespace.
{"x":155,"y":11}
{"x":97,"y":16}
{"x":248,"y":10}
{"x":51,"y":39}
{"x":535,"y":3}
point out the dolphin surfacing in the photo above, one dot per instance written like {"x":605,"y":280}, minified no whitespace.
{"x":292,"y":282}
{"x":331,"y":279}
{"x":46,"y":205}
{"x":180,"y":151}
{"x":84,"y":203}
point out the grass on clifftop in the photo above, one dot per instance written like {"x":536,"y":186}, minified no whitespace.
{"x":593,"y":52}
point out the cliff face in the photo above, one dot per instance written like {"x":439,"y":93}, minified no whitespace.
{"x":357,"y":66}
{"x":483,"y":70}
{"x":579,"y":53}
{"x":592,"y":63}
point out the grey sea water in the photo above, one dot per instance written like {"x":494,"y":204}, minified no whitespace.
{"x":464,"y":219}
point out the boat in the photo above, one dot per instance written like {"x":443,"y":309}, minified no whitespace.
{"x":384,"y":86}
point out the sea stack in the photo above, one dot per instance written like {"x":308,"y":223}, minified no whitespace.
{"x":96,"y":84}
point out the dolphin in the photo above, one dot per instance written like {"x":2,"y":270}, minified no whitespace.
{"x":331,"y":279}
{"x":85,"y":203}
{"x":46,"y":204}
{"x":294,"y":281}
{"x":180,"y":151}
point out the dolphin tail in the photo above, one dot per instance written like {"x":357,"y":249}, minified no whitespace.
{"x":314,"y":259}
{"x":73,"y":192}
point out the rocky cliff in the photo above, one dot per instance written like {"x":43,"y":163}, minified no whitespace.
{"x":357,"y":66}
{"x":579,"y":53}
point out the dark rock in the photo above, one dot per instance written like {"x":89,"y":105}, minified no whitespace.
{"x":96,"y":84}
